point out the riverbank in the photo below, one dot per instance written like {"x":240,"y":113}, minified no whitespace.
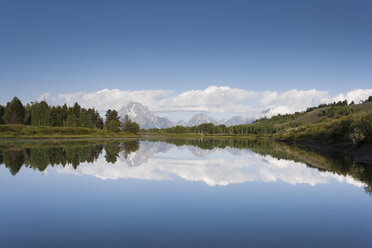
{"x":361,"y":153}
{"x":34,"y":132}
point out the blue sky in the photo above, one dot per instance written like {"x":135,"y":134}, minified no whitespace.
{"x":64,"y":47}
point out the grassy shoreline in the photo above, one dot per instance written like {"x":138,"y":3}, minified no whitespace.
{"x":22,"y":134}
{"x":43,"y":132}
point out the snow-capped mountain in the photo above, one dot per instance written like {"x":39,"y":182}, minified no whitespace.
{"x":201,"y":118}
{"x":146,"y":119}
{"x":181,"y":123}
{"x":143,"y":116}
{"x":238,"y":120}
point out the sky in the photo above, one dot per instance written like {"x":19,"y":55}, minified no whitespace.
{"x":250,"y":54}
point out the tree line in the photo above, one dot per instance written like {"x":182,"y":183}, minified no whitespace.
{"x":210,"y":128}
{"x":271,"y":125}
{"x":42,"y":114}
{"x":339,"y":103}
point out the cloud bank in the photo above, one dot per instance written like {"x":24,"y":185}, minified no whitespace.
{"x":212,"y":99}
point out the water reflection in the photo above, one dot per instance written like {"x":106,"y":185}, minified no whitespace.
{"x":214,"y":162}
{"x":40,"y":155}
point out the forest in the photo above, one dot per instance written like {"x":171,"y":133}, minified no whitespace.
{"x":40,"y":114}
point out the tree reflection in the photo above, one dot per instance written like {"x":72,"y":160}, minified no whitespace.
{"x":321,"y":159}
{"x":13,"y":160}
{"x":112,"y":152}
{"x":129,"y":147}
{"x":40,"y":155}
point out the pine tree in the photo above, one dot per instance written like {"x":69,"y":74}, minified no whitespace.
{"x":76,"y":109}
{"x":84,"y":120}
{"x":100,"y":124}
{"x":40,"y":114}
{"x":14,"y":112}
{"x":2,"y":109}
{"x":71,"y":121}
{"x":130,"y":126}
{"x":28,"y":112}
{"x":112,"y":121}
{"x":56,"y":116}
{"x":64,"y":112}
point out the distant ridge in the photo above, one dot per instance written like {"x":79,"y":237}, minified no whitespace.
{"x":146,"y":119}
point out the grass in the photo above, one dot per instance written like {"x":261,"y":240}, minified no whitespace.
{"x":22,"y":131}
{"x":307,"y":118}
{"x":352,"y":129}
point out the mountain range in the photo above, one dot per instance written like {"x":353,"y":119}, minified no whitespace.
{"x":146,"y":119}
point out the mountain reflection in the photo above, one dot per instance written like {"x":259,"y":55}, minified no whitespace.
{"x":212,"y":161}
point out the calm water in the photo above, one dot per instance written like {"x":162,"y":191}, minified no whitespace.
{"x":181,"y":193}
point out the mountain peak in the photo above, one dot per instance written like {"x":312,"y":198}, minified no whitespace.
{"x":146,"y":119}
{"x":136,"y":105}
{"x":199,"y":119}
{"x":143,"y":116}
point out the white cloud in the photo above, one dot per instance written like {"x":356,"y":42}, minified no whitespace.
{"x":44,"y":97}
{"x":267,"y":97}
{"x":354,"y":95}
{"x":293,"y":100}
{"x":212,"y":99}
{"x":113,"y":99}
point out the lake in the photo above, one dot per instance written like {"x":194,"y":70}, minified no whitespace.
{"x":181,"y":193}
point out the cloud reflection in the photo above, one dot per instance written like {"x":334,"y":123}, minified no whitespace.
{"x":222,"y":167}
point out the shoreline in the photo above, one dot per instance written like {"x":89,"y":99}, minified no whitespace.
{"x":361,"y":154}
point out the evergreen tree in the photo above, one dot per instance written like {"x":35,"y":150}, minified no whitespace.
{"x":64,"y":112}
{"x":14,"y":112}
{"x":84,"y":120}
{"x":28,"y":112}
{"x":112,"y":121}
{"x":130,"y":126}
{"x":71,"y":121}
{"x":73,"y":114}
{"x":40,"y":114}
{"x":76,"y":109}
{"x":100,"y":124}
{"x":56,"y":116}
{"x":2,"y":109}
{"x":92,"y":117}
